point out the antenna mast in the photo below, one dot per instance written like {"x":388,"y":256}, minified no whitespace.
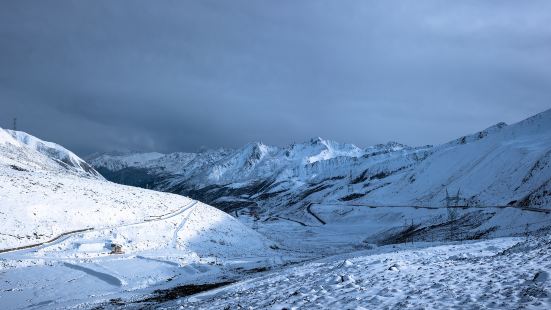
{"x":15,"y":123}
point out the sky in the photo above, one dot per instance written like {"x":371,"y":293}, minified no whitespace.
{"x":99,"y":76}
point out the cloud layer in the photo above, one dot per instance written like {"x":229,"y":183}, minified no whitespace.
{"x":178,"y":75}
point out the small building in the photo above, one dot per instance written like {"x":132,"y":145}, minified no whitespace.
{"x":116,"y":249}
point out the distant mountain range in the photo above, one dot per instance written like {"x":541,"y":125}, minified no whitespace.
{"x":501,"y":165}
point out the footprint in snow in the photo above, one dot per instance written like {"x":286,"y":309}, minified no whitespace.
{"x":394,"y":267}
{"x":541,"y":277}
{"x":344,"y":278}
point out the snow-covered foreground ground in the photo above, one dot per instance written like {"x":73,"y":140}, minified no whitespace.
{"x":504,"y":273}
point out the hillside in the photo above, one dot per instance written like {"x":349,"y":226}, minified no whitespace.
{"x":23,"y":152}
{"x":501,"y":165}
{"x":508,"y":273}
{"x":61,"y":219}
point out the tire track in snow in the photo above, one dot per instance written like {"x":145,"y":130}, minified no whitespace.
{"x":109,"y":279}
{"x":177,"y":230}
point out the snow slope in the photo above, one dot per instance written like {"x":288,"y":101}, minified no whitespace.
{"x":499,"y":273}
{"x":69,"y":218}
{"x":25,"y":152}
{"x":499,"y":166}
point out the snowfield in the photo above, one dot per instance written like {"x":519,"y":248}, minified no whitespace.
{"x":507,"y":273}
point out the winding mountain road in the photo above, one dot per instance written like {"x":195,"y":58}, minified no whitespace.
{"x":56,"y":239}
{"x":313,"y":214}
{"x":63,"y":236}
{"x":532,"y":209}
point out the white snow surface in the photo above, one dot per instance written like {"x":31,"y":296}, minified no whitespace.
{"x":69,"y":218}
{"x":23,"y":151}
{"x":508,"y":273}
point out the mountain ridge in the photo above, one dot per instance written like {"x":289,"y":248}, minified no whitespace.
{"x":41,"y":155}
{"x":487,"y":167}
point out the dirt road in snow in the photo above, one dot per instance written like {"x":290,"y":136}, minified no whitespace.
{"x":68,"y":234}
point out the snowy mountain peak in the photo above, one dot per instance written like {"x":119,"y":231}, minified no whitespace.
{"x":390,"y":146}
{"x":123,"y":160}
{"x":481,"y":134}
{"x":327,"y":149}
{"x":253,"y":146}
{"x":317,"y":141}
{"x":71,"y":226}
{"x":254,"y":153}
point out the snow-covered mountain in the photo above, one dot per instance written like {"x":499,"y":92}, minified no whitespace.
{"x":501,"y":165}
{"x":21,"y":151}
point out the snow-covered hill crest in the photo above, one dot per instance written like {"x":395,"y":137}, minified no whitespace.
{"x":23,"y":151}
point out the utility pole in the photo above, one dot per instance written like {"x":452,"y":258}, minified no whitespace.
{"x":15,"y":123}
{"x":452,"y":202}
{"x":412,"y":229}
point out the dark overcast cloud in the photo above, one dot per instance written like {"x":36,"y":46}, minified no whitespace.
{"x":177,"y":75}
